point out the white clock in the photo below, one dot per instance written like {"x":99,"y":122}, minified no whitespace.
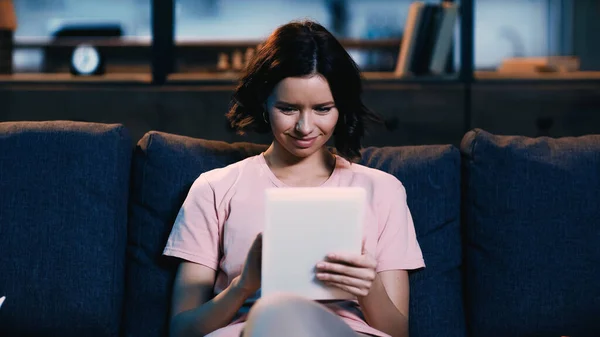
{"x":86,"y":60}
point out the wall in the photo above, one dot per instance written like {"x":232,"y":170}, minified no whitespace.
{"x":509,"y":28}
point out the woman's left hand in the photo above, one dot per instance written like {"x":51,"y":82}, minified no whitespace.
{"x":352,"y":273}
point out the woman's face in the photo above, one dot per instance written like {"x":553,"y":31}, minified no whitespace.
{"x":302,"y":114}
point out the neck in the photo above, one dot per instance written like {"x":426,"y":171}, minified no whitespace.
{"x":304,"y":171}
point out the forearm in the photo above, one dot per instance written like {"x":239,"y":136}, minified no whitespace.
{"x":211,"y":315}
{"x":381,"y":313}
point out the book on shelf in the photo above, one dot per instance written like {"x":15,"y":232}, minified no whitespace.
{"x":445,"y":36}
{"x":409,"y":38}
{"x":426,"y":34}
{"x":427,"y":39}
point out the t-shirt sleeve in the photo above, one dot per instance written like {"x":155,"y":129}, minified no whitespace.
{"x":397,"y":247}
{"x":195,"y":234}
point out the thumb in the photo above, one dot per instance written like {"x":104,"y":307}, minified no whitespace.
{"x":365,"y":251}
{"x":257,"y":241}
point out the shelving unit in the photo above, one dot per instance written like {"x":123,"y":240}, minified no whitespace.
{"x":164,"y":45}
{"x":446,"y":105}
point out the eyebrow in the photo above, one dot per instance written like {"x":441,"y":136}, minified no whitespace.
{"x":317,"y":105}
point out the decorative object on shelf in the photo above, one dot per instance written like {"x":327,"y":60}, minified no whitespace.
{"x":223,"y":63}
{"x":237,"y":60}
{"x":8,"y":25}
{"x":87,"y":35}
{"x":549,"y":64}
{"x":248,"y":56}
{"x":87,"y":60}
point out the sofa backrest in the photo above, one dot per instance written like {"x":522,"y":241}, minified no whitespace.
{"x":532,"y":235}
{"x":431,"y":176}
{"x":531,"y":229}
{"x":63,"y":222}
{"x":165,"y":166}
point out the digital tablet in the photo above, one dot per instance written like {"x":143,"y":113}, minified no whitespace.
{"x":302,"y":226}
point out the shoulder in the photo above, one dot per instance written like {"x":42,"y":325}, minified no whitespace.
{"x":222,"y":179}
{"x":377,"y":180}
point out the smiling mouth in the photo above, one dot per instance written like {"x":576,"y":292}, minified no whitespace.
{"x":303,"y":143}
{"x":304,"y":139}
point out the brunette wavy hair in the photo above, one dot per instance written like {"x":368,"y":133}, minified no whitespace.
{"x":300,"y":49}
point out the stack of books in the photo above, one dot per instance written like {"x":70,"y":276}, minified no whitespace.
{"x":427,"y":40}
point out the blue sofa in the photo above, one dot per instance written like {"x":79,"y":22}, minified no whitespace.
{"x":509,"y":227}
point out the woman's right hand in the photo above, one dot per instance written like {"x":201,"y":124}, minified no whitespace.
{"x":249,"y":280}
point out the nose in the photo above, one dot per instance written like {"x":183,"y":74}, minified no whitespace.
{"x":304,"y":124}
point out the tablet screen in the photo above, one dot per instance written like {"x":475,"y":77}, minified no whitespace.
{"x":302,"y":226}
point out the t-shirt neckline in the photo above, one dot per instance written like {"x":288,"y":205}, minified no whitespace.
{"x":278,"y":183}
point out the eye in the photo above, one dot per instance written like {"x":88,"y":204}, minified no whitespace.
{"x":324,"y":110}
{"x":286,"y":109}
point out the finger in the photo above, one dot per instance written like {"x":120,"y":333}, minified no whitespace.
{"x":363,"y":261}
{"x":343,"y":279}
{"x":336,"y":268}
{"x":358,"y":292}
{"x":256,"y":248}
{"x":257,"y":241}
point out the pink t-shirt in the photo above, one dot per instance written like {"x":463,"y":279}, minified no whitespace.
{"x":223,"y":213}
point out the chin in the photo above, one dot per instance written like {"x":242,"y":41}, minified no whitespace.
{"x":302,"y":153}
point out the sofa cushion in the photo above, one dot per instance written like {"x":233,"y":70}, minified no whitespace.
{"x":165,"y":166}
{"x":63,"y":224}
{"x":532,"y":235}
{"x":431,"y":176}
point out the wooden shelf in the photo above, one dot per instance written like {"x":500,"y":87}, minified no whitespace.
{"x":370,"y":77}
{"x":31,"y":43}
{"x":222,"y":79}
{"x":66,"y":78}
{"x":523,"y":76}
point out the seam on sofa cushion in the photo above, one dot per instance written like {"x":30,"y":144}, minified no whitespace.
{"x":150,"y":137}
{"x":122,"y":134}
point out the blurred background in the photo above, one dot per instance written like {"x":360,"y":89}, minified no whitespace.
{"x":526,"y":67}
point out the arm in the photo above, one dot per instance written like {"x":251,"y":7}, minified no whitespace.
{"x":386,"y":306}
{"x":193,"y":312}
{"x":380,"y":282}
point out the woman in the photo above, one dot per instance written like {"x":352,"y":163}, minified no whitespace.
{"x":304,"y":88}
